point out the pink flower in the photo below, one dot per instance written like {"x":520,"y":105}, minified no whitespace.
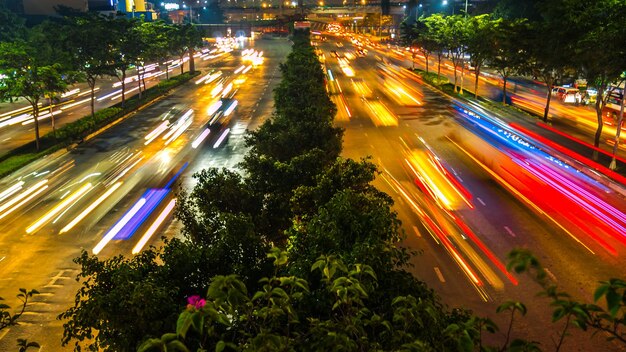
{"x":195,"y":302}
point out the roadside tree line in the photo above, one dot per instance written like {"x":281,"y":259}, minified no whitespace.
{"x":574,"y":38}
{"x":296,"y":251}
{"x":40,"y":63}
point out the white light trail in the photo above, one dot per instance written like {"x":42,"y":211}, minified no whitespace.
{"x":200,"y":138}
{"x":90,"y":208}
{"x":155,"y":225}
{"x":221,"y":139}
{"x":50,"y":214}
{"x":109,"y":235}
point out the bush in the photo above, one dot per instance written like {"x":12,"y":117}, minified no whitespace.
{"x":432,"y":78}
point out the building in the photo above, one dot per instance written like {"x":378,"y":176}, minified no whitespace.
{"x":44,"y":8}
{"x":49,"y":7}
{"x":138,"y":8}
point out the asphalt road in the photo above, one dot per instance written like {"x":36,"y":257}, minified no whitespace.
{"x":577,"y":121}
{"x":37,"y":253}
{"x":376,"y":124}
{"x":499,"y":220}
{"x":16,"y":129}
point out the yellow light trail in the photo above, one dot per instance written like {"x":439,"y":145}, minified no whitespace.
{"x":50,"y":214}
{"x":90,"y":208}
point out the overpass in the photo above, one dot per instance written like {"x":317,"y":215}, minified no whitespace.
{"x":242,"y":21}
{"x":263,"y":13}
{"x":357,"y":10}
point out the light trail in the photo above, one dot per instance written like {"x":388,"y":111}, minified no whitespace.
{"x":61,"y":206}
{"x":11,"y":190}
{"x":90,"y":208}
{"x":118,"y":226}
{"x":156,"y":132}
{"x":155,"y":225}
{"x":22,"y":198}
{"x":221,"y":139}
{"x":200,"y":138}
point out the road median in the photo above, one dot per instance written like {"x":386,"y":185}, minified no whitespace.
{"x":88,"y":127}
{"x":568,"y":146}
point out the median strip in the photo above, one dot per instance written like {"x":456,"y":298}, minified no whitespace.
{"x":88,"y":127}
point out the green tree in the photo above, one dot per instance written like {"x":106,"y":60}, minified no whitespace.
{"x":185,"y":38}
{"x":517,"y":9}
{"x":125,"y":49}
{"x":11,"y":25}
{"x":417,"y":36}
{"x":161,"y":33}
{"x":275,"y":318}
{"x":601,"y":25}
{"x":505,"y":57}
{"x":120,"y":301}
{"x":549,"y":58}
{"x":455,"y":38}
{"x":434,"y":38}
{"x":29,"y":76}
{"x":49,"y":38}
{"x":480,"y":41}
{"x":92,"y":48}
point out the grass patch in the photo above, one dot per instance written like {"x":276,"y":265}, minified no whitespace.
{"x":17,"y":161}
{"x":443,"y":84}
{"x":76,"y":131}
{"x":432,"y":78}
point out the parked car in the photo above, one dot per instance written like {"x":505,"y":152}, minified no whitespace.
{"x":567,"y":95}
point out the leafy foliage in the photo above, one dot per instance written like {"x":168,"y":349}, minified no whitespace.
{"x":7,"y":319}
{"x":584,"y":316}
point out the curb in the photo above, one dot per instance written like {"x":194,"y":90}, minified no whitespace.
{"x":124,"y":117}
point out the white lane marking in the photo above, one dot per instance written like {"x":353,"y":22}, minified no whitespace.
{"x":510,"y":231}
{"x":439,"y":274}
{"x":417,"y":232}
{"x":1,"y":259}
{"x":6,"y":139}
{"x":480,"y":201}
{"x":58,"y":276}
{"x":550,"y":274}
